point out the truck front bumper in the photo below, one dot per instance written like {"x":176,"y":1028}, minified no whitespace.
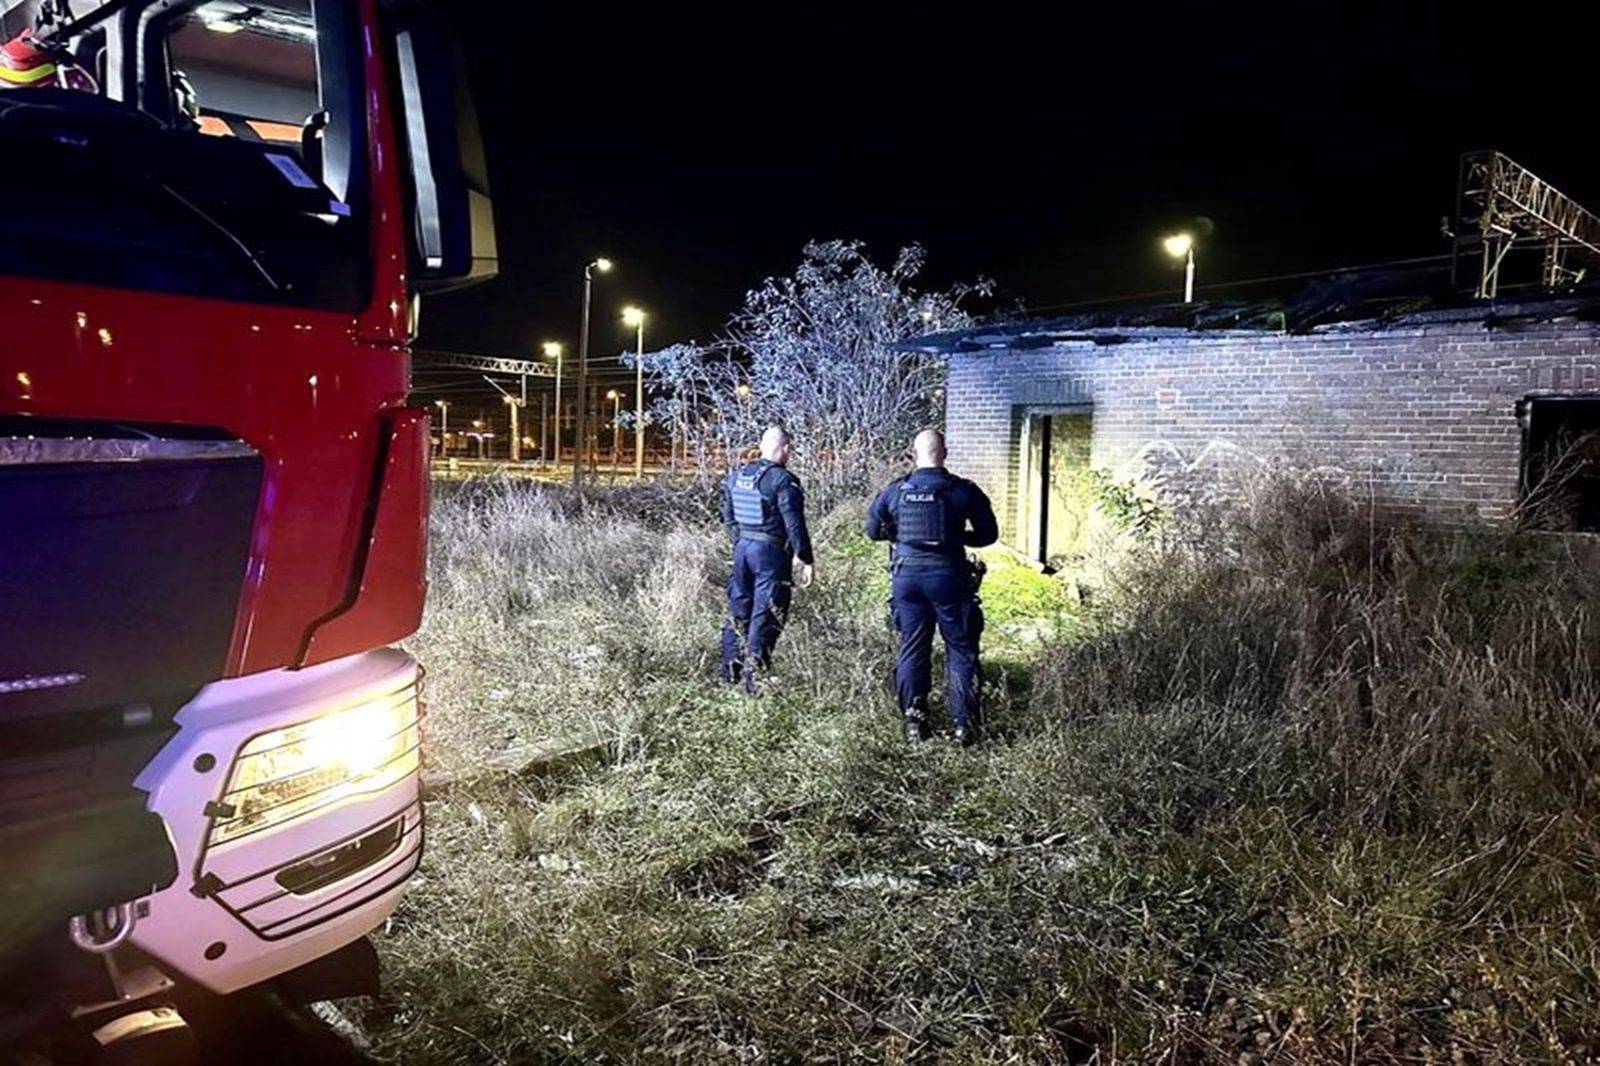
{"x":293,"y":803}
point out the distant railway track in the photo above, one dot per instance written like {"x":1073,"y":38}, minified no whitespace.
{"x":460,"y":469}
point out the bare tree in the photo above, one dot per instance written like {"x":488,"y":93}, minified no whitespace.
{"x":815,"y":352}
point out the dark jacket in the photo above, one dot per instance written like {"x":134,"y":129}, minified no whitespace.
{"x":970,"y":517}
{"x":785,"y":521}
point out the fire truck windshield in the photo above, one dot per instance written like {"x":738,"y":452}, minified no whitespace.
{"x":205,"y":147}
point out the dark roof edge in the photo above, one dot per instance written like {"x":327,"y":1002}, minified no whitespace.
{"x":1047,"y":332}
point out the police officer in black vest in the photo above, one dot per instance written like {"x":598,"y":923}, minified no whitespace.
{"x":765,"y":511}
{"x":933,"y":517}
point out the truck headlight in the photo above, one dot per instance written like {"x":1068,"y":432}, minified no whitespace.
{"x":293,"y":771}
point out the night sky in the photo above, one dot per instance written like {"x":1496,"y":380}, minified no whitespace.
{"x":701,"y":149}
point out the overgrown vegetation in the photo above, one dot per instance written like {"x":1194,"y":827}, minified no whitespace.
{"x":815,"y":352}
{"x":1313,"y":792}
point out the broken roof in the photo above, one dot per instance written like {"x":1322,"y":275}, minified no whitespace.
{"x":1365,"y":300}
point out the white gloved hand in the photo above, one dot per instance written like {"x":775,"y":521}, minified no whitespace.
{"x":803,"y":575}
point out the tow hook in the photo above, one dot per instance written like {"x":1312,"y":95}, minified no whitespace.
{"x":102,"y":931}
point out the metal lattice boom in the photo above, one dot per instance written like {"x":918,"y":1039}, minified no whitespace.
{"x":1507,"y":203}
{"x":489,"y":364}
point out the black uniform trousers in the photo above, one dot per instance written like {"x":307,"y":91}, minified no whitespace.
{"x":759,"y":590}
{"x":939,"y":594}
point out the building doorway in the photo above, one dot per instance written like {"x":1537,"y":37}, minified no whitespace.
{"x":1055,"y":500}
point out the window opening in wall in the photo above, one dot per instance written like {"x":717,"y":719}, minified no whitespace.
{"x":1055,"y":502}
{"x":1560,"y":463}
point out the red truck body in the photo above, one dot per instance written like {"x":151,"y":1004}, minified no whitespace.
{"x":320,"y":402}
{"x":131,"y":789}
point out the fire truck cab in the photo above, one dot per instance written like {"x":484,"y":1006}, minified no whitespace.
{"x":218,"y":218}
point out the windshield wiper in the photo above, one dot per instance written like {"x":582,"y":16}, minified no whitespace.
{"x":98,"y":131}
{"x":232,"y":238}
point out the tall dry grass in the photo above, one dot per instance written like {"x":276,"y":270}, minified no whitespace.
{"x":1296,"y":789}
{"x":546,"y":610}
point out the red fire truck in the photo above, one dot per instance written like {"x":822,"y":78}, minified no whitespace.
{"x":217,"y":221}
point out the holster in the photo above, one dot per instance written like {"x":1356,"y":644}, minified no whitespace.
{"x":976,"y":569}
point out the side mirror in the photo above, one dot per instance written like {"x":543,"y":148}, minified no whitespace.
{"x":452,"y":214}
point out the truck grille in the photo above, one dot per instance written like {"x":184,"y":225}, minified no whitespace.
{"x":122,"y":556}
{"x":310,"y":889}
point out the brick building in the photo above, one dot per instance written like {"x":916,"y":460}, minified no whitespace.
{"x":1441,"y":413}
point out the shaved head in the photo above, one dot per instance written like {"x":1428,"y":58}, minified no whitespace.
{"x":776,"y":445}
{"x":929,"y":448}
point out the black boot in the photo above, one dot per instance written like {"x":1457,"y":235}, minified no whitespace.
{"x":754,"y":669}
{"x":966,"y":735}
{"x":915,"y":723}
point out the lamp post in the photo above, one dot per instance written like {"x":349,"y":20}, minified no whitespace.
{"x":635,"y":318}
{"x":615,"y":396}
{"x":1181,"y":246}
{"x":603,"y":265}
{"x":552,"y":350}
{"x":743,"y":389}
{"x":444,"y":426}
{"x":516,"y":429}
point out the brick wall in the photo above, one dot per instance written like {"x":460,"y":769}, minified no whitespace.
{"x":1423,"y":416}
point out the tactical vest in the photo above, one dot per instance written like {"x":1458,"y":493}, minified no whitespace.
{"x":922,"y":515}
{"x":753,"y":511}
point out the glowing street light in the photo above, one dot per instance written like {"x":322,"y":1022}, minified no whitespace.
{"x":1181,"y":246}
{"x":615,"y":396}
{"x":634,"y":317}
{"x":603,"y":265}
{"x":743,"y":391}
{"x":444,"y":424}
{"x":515,"y":407}
{"x":552,"y":350}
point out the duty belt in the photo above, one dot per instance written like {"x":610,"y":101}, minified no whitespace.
{"x":765,"y":538}
{"x":929,"y":562}
{"x":975,"y":568}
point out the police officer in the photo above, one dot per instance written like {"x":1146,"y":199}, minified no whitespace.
{"x":765,"y":512}
{"x":933,"y":517}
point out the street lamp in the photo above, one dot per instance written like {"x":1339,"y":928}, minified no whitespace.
{"x":615,"y":396}
{"x":634,"y":317}
{"x":515,"y":406}
{"x":1181,"y":246}
{"x":603,"y":265}
{"x":444,"y":425}
{"x":552,"y":350}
